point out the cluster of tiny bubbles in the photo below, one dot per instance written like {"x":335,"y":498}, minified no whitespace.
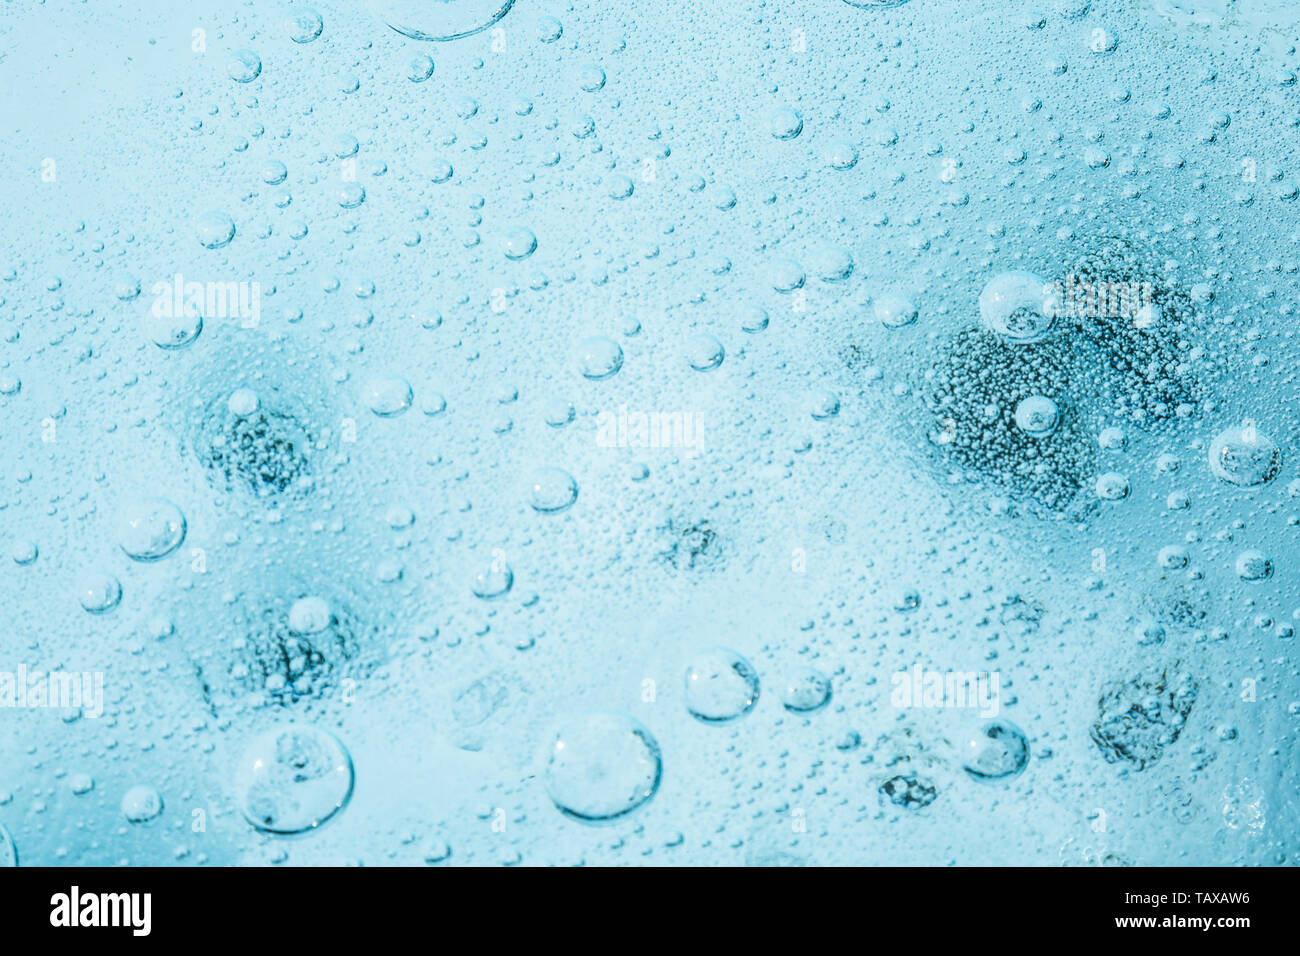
{"x":994,"y":750}
{"x":873,"y":4}
{"x":141,"y":804}
{"x":1242,"y":455}
{"x":151,"y":529}
{"x":602,"y":766}
{"x":721,"y":685}
{"x":1019,"y":307}
{"x":806,"y":690}
{"x":909,"y":791}
{"x":421,"y":20}
{"x":99,"y":592}
{"x":292,"y":779}
{"x":599,"y":357}
{"x":893,"y":311}
{"x":388,"y":396}
{"x":552,"y":490}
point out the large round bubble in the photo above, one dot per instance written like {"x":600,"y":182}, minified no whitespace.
{"x":602,"y":766}
{"x":293,"y":779}
{"x":1241,"y":455}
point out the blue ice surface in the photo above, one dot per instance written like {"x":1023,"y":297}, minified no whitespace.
{"x":494,"y":450}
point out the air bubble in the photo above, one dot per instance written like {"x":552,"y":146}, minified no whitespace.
{"x":996,"y":750}
{"x":151,"y":529}
{"x":720,"y":685}
{"x":1019,"y":307}
{"x":244,"y":66}
{"x":293,"y":779}
{"x":552,"y":490}
{"x":602,"y":767}
{"x":1241,"y":455}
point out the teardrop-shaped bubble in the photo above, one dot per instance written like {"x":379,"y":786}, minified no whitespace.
{"x":994,"y":750}
{"x":721,"y":685}
{"x":552,"y":490}
{"x":1242,"y":455}
{"x":440,"y":19}
{"x":602,"y":766}
{"x":293,"y":779}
